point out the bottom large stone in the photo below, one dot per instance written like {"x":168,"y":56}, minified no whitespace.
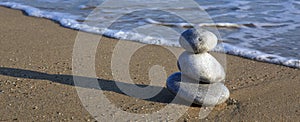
{"x":202,"y":94}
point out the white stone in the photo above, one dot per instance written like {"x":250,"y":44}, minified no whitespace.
{"x":201,"y":67}
{"x":202,"y":94}
{"x":198,"y":40}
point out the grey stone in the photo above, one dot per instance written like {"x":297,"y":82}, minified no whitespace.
{"x":198,"y":40}
{"x":201,"y":67}
{"x":201,"y":94}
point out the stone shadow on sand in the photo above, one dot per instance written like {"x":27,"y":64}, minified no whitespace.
{"x":106,"y":85}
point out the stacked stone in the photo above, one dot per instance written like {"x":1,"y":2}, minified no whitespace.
{"x":201,"y":79}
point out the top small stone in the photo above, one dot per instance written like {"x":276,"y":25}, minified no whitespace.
{"x":198,"y":40}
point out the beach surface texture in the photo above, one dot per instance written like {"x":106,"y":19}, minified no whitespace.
{"x":36,"y":79}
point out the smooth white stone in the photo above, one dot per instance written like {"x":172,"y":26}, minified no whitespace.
{"x":198,"y":40}
{"x":202,"y":94}
{"x":201,"y":67}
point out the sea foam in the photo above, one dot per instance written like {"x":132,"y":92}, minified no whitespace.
{"x":70,"y":21}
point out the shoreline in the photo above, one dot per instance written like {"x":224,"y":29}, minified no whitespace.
{"x":36,"y":78}
{"x":247,"y":53}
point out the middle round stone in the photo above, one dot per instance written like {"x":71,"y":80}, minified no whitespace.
{"x":201,"y":67}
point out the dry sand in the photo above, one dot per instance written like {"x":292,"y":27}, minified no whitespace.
{"x":36,"y":78}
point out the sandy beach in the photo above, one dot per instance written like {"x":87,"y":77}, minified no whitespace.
{"x":36,"y":78}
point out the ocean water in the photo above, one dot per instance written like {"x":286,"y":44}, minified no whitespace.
{"x":266,"y":30}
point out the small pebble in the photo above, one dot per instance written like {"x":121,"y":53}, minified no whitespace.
{"x":35,"y":107}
